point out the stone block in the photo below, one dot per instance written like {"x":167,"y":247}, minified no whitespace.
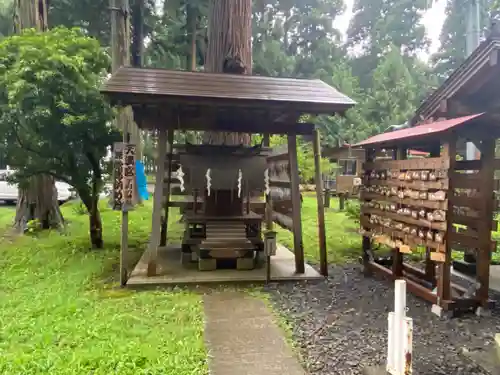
{"x":375,"y":370}
{"x":207,"y":264}
{"x":245,"y":263}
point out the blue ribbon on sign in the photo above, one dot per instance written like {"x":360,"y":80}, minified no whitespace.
{"x":141,"y":181}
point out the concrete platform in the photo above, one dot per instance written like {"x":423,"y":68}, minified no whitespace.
{"x":172,"y":272}
{"x":375,"y":370}
{"x":488,"y":359}
{"x":495,"y":278}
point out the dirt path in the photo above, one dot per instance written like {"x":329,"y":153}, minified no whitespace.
{"x":243,"y":338}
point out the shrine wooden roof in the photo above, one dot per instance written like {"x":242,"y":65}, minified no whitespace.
{"x":418,"y":133}
{"x":153,"y":86}
{"x":471,"y":88}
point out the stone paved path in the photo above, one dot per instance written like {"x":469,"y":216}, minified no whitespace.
{"x":243,"y":339}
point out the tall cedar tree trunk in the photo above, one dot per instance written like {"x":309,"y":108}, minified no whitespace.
{"x":229,"y":51}
{"x":37,"y":200}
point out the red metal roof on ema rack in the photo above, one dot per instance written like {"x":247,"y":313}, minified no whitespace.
{"x":416,"y":131}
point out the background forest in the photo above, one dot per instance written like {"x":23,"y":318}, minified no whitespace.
{"x":377,"y":64}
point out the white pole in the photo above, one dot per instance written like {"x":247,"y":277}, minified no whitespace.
{"x":399,"y":314}
{"x":390,"y":367}
{"x":407,"y":346}
{"x":400,"y":334}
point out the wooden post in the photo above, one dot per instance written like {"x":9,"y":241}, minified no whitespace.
{"x":366,"y":241}
{"x":444,"y":279}
{"x":124,"y":249}
{"x":298,"y":246}
{"x":341,"y":201}
{"x":321,"y":209}
{"x":397,"y":259}
{"x":157,"y":204}
{"x":269,"y":202}
{"x":124,"y":227}
{"x":164,"y":224}
{"x":430,"y":267}
{"x":327,"y":198}
{"x":486,"y":213}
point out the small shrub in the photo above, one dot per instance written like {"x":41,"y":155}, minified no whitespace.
{"x":353,"y":210}
{"x":33,"y":227}
{"x":80,"y":209}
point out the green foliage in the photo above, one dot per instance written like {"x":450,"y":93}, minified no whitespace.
{"x":353,"y":210}
{"x":93,"y":16}
{"x":379,"y":24}
{"x":393,"y":93}
{"x":52,"y":115}
{"x":452,"y":51}
{"x":80,"y":209}
{"x":34,"y":227}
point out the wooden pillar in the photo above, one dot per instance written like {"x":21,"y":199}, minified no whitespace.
{"x":430,"y":266}
{"x":366,"y":241}
{"x":269,"y":202}
{"x":341,"y":201}
{"x":323,"y":262}
{"x":164,"y":224}
{"x":486,"y":214}
{"x":444,"y":277}
{"x":124,"y":247}
{"x":327,"y":198}
{"x":298,"y":246}
{"x":157,"y":204}
{"x":397,"y":259}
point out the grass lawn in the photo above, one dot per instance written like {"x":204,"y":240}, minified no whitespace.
{"x":62,"y":314}
{"x":342,"y":240}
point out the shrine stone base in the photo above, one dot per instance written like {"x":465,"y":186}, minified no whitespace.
{"x":170,"y":271}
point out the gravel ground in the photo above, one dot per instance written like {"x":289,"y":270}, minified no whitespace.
{"x":340,"y":326}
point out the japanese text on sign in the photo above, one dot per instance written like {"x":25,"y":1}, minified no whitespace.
{"x":128,"y":175}
{"x":117,"y":176}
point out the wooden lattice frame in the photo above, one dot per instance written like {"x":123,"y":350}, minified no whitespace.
{"x":397,"y":230}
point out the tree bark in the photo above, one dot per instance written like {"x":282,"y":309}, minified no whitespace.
{"x":91,"y":202}
{"x":192,"y":27}
{"x":229,"y":51}
{"x":37,"y":200}
{"x":120,"y":53}
{"x":30,"y":14}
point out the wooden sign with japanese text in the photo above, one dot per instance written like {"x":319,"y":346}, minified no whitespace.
{"x":117,"y":195}
{"x":128,"y":176}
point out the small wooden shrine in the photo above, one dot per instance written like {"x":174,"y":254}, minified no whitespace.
{"x":224,"y":183}
{"x":225,"y":226}
{"x":419,"y":204}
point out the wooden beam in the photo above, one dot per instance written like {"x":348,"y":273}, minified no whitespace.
{"x":494,"y":57}
{"x":157,"y":204}
{"x":443,"y":106}
{"x":485,"y":226}
{"x":166,"y":203}
{"x":323,"y":261}
{"x":298,"y":245}
{"x":444,"y":279}
{"x":233,"y":125}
